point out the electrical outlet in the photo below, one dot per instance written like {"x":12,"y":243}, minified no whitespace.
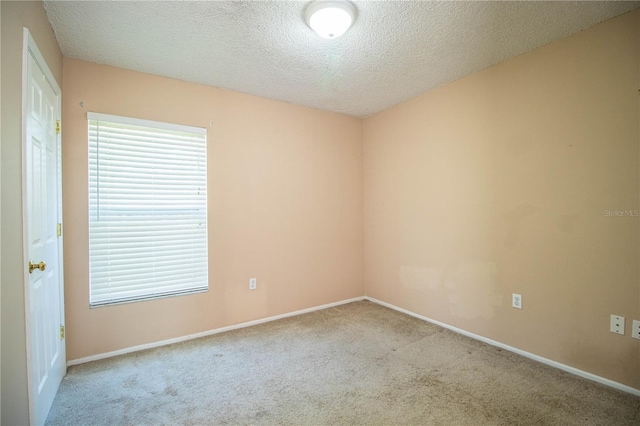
{"x":252,"y":283}
{"x":617,"y":324}
{"x":516,"y":300}
{"x":635,"y":329}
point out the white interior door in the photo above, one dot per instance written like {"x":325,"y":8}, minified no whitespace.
{"x":41,"y":205}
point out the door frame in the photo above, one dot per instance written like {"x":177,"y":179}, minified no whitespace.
{"x":30,"y":48}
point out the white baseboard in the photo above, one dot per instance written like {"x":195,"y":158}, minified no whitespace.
{"x":208,"y":333}
{"x":526,"y":354}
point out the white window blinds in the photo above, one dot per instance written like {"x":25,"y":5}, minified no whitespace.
{"x":147,"y":209}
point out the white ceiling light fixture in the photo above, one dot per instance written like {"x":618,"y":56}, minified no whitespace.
{"x":330,"y":19}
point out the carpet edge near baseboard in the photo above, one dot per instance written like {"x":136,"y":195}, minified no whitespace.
{"x":166,"y":342}
{"x":538,"y":358}
{"x":543,"y":360}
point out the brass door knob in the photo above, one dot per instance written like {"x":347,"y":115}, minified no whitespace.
{"x":33,"y":266}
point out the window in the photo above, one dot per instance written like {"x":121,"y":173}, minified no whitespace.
{"x":147,"y":209}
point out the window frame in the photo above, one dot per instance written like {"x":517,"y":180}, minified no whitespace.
{"x":200,"y":135}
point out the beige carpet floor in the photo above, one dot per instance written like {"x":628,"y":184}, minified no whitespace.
{"x":355,"y":364}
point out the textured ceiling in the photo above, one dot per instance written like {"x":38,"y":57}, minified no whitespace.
{"x":394,"y":51}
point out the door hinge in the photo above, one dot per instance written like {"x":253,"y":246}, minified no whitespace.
{"x":59,"y":230}
{"x":57,"y":127}
{"x":62,"y":332}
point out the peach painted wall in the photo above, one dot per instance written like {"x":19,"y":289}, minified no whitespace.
{"x":498,"y":183}
{"x":284,"y":196}
{"x":15,"y":16}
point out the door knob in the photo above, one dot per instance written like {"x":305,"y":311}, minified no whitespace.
{"x":33,"y":266}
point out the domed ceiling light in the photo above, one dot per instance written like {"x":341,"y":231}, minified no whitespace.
{"x":330,"y":19}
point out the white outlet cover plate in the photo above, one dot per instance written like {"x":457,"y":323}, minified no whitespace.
{"x":617,"y":324}
{"x":516,"y":300}
{"x":252,"y":283}
{"x":635,"y":330}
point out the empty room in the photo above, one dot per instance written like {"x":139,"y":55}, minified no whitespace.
{"x":320,"y":212}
